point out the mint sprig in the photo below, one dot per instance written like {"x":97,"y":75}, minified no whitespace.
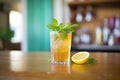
{"x":62,"y":29}
{"x":91,"y":60}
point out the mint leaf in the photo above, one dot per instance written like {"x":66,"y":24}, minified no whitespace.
{"x":74,"y":25}
{"x":55,"y":22}
{"x":92,"y":60}
{"x":60,"y":26}
{"x":64,"y":30}
{"x":67,"y":25}
{"x":50,"y":26}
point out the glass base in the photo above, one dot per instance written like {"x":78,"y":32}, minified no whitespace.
{"x":60,"y":62}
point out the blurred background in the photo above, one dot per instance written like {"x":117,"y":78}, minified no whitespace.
{"x":23,"y":24}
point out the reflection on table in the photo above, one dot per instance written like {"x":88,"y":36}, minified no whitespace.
{"x":17,"y":65}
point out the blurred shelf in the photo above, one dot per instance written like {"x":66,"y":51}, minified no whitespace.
{"x":101,"y":48}
{"x":101,"y":9}
{"x":101,"y":3}
{"x":11,"y":46}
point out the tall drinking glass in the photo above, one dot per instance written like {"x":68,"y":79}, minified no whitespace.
{"x":60,"y":48}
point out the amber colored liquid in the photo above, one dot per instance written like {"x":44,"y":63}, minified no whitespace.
{"x":60,"y":48}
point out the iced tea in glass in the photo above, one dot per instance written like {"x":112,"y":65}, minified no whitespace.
{"x":60,"y":48}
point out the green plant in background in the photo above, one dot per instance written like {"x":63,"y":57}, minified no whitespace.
{"x":6,"y":34}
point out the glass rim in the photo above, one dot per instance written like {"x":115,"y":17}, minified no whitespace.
{"x":58,"y":32}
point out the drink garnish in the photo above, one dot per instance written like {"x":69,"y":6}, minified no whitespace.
{"x":62,"y":29}
{"x":91,"y":60}
{"x":83,"y":57}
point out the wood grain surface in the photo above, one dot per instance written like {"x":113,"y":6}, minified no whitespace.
{"x":17,"y":65}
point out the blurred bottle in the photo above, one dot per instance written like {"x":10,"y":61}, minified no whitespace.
{"x":111,"y":23}
{"x":99,"y":34}
{"x":117,"y":30}
{"x":77,"y":37}
{"x":88,"y":16}
{"x":111,"y":41}
{"x":106,"y":31}
{"x":79,"y":16}
{"x":85,"y":37}
{"x":111,"y":36}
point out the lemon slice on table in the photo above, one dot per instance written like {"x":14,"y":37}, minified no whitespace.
{"x":80,"y":57}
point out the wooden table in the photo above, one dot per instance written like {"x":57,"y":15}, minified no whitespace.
{"x":17,"y":65}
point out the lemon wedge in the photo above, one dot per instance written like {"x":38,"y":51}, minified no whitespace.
{"x":80,"y":57}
